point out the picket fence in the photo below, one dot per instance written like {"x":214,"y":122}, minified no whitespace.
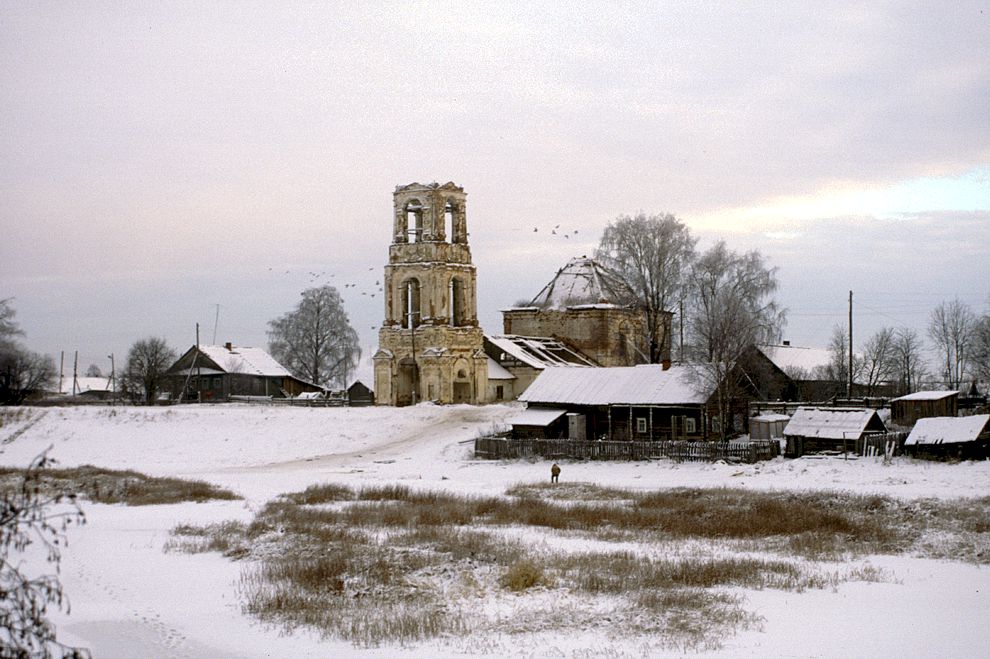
{"x":507,"y":448}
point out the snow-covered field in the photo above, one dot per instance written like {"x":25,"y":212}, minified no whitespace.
{"x":130,"y":598}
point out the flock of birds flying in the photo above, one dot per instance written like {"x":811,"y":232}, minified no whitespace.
{"x":325,"y":278}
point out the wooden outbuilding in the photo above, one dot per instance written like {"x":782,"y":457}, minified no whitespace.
{"x":359,"y":395}
{"x":906,"y":410}
{"x":830,"y":429}
{"x":960,"y":437}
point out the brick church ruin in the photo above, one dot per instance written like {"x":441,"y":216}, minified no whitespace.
{"x":430,"y":344}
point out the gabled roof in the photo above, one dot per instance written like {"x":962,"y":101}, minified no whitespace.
{"x":948,"y":429}
{"x":831,"y":422}
{"x":583,"y":282}
{"x":252,"y":361}
{"x":647,"y":384}
{"x":790,"y":359}
{"x":498,"y":372}
{"x":538,"y":351}
{"x":927,"y":395}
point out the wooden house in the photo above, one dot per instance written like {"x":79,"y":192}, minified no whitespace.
{"x":906,"y":410}
{"x":636,"y":403}
{"x":359,"y":395}
{"x":215,"y":373}
{"x":830,"y":429}
{"x":961,"y":437}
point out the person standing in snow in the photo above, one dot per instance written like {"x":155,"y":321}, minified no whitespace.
{"x":554,"y":473}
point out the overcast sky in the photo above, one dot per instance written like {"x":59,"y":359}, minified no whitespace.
{"x":160,"y":159}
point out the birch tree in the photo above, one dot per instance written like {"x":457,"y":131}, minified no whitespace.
{"x":652,"y":253}
{"x":951,"y":327}
{"x":879,"y":359}
{"x":315,"y":341}
{"x":910,"y":362}
{"x":979,"y":358}
{"x":732,"y":309}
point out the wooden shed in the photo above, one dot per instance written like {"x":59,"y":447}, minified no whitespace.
{"x":359,"y":395}
{"x":830,"y":429}
{"x":768,"y":426}
{"x":906,"y":410}
{"x":961,"y":437}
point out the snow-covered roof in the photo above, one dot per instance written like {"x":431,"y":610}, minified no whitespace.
{"x":498,"y":372}
{"x":829,"y":423}
{"x":769,"y":418}
{"x":647,"y":384}
{"x":85,"y":384}
{"x":927,"y":395}
{"x":252,"y":361}
{"x":948,"y":429}
{"x":793,"y":358}
{"x":539,"y":351}
{"x":581,"y":282}
{"x":534,"y":416}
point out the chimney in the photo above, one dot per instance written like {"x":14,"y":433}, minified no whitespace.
{"x":666,"y":364}
{"x":229,"y":346}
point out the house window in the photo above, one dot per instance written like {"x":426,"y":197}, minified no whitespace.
{"x":216,"y":383}
{"x":641,"y":425}
{"x":499,"y":392}
{"x":689,"y":427}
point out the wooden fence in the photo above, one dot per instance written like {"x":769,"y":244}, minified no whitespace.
{"x":507,"y":448}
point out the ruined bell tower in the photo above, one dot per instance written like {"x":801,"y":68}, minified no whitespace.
{"x":430,"y":347}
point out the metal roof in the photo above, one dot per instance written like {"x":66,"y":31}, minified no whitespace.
{"x":792,"y":358}
{"x":498,"y":372}
{"x":647,"y":384}
{"x":829,"y":423}
{"x":253,"y":361}
{"x":948,"y":429}
{"x":534,"y":416}
{"x":927,"y":395}
{"x":539,"y":351}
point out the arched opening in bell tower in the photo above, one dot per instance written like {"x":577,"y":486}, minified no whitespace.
{"x":456,"y":302}
{"x":414,"y":220}
{"x":410,"y":304}
{"x":449,"y":212}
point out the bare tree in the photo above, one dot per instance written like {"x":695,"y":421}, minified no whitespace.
{"x":732,"y":308}
{"x":652,"y":253}
{"x":316,"y":341}
{"x":31,"y":512}
{"x":8,"y":326}
{"x":951,"y":327}
{"x":979,"y":357}
{"x":22,"y":373}
{"x":144,"y":372}
{"x":94,"y":371}
{"x":910,"y":368}
{"x":879,"y":359}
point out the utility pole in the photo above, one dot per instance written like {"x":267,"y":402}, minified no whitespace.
{"x":113,"y":380}
{"x":680,"y":351}
{"x":61,"y":372}
{"x":849,"y":383}
{"x":75,"y":373}
{"x":216,"y":321}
